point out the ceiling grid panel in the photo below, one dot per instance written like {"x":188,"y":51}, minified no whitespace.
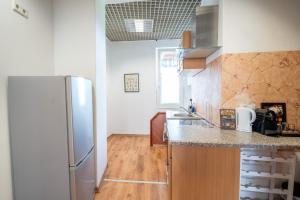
{"x":183,"y":24}
{"x":170,"y":18}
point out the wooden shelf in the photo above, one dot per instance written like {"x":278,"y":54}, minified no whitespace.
{"x":267,"y":158}
{"x":264,"y":174}
{"x":263,"y":190}
{"x":251,"y":162}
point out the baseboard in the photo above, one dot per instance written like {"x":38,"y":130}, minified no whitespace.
{"x":134,"y":135}
{"x":101,"y":181}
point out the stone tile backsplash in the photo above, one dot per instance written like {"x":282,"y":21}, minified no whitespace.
{"x":243,"y":78}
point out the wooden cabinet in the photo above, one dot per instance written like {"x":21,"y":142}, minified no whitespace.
{"x":193,"y":63}
{"x":186,"y":40}
{"x":157,"y":128}
{"x":205,"y":173}
{"x":191,"y":66}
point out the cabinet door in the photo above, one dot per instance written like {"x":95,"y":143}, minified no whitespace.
{"x":201,"y":173}
{"x":157,"y":128}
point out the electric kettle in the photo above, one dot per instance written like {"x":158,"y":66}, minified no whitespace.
{"x":245,"y":116}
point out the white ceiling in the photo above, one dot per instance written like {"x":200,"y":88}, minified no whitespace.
{"x":171,"y":18}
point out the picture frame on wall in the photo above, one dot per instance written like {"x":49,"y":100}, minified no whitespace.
{"x":131,"y":82}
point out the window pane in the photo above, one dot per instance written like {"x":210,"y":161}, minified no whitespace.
{"x":169,"y":80}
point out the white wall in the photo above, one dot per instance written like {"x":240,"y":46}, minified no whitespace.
{"x":79,"y":49}
{"x":26,"y":48}
{"x":130,"y":113}
{"x":101,"y":91}
{"x":75,"y":38}
{"x":256,"y":25}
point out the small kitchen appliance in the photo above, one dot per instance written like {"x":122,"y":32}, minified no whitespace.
{"x":265,"y":122}
{"x":245,"y":116}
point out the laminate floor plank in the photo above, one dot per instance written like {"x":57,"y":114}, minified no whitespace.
{"x":131,"y":191}
{"x":130,"y":158}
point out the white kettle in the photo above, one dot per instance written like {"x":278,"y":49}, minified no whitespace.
{"x":245,"y":116}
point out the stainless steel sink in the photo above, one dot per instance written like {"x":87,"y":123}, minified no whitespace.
{"x":199,"y":122}
{"x":183,"y":115}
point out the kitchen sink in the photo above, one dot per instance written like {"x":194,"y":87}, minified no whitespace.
{"x":199,"y":122}
{"x":183,"y":115}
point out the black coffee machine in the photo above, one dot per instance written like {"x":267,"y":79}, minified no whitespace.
{"x":266,"y":123}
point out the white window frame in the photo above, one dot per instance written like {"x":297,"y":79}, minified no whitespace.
{"x":158,"y":86}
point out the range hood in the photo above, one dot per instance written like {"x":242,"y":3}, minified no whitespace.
{"x":205,"y":37}
{"x":205,"y":27}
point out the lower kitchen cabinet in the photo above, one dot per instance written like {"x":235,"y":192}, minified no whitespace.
{"x":204,"y":173}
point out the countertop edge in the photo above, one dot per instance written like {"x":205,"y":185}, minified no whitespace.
{"x":216,"y":145}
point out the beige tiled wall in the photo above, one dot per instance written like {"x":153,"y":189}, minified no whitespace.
{"x":235,"y":79}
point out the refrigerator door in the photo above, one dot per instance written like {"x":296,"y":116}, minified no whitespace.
{"x":80,"y":118}
{"x":83,"y":179}
{"x":38,"y":138}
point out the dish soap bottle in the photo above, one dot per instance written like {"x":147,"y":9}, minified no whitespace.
{"x":192,"y":107}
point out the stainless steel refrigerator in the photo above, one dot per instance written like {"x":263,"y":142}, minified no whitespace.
{"x":52,"y":140}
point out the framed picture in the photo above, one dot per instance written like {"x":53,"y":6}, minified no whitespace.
{"x":278,"y":108}
{"x":227,"y":119}
{"x":131,"y":82}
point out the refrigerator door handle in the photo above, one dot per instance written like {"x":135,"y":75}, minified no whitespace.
{"x":84,"y":159}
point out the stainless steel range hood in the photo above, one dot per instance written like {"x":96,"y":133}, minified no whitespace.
{"x":205,"y":37}
{"x":205,"y":27}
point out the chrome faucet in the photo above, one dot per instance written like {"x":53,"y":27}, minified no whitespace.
{"x":189,"y":111}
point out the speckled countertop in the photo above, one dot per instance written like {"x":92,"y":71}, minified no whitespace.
{"x":214,"y":137}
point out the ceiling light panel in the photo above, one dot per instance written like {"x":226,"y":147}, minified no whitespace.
{"x":149,"y":20}
{"x":138,"y":25}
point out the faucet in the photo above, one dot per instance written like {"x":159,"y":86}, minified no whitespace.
{"x":189,"y":111}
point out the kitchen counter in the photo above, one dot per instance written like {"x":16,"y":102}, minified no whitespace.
{"x":215,"y":137}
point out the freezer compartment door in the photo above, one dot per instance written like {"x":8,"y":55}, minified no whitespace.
{"x":83,"y":179}
{"x":80,"y":118}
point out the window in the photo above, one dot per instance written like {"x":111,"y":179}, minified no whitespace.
{"x":168,"y":83}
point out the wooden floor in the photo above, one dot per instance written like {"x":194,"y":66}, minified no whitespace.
{"x":135,"y":170}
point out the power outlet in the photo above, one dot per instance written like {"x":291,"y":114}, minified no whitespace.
{"x":19,"y":9}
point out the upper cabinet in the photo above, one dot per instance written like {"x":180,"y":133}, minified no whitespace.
{"x":186,"y":40}
{"x":191,"y":66}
